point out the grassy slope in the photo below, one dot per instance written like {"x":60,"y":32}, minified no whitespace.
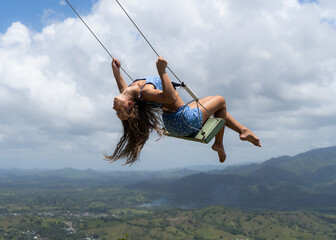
{"x":225,"y":223}
{"x":222,"y":223}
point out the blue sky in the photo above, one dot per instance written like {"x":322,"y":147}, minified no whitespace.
{"x":33,"y":12}
{"x":273,"y":61}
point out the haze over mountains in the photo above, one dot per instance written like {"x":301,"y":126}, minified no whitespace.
{"x":306,"y":181}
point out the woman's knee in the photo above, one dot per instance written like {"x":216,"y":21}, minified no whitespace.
{"x":220,"y":100}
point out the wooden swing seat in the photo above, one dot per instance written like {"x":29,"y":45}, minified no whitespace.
{"x":208,"y":131}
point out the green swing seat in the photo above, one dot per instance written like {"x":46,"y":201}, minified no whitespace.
{"x":208,"y":131}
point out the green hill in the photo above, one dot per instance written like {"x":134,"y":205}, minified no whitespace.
{"x":234,"y":203}
{"x":306,"y":181}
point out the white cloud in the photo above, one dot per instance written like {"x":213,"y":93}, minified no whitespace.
{"x":273,"y":61}
{"x":16,"y":36}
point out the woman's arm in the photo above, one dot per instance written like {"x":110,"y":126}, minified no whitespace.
{"x":117,"y":75}
{"x":168,"y":91}
{"x":168,"y":94}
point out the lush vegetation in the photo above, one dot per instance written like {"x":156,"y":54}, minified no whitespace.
{"x":206,"y":223}
{"x":283,"y":198}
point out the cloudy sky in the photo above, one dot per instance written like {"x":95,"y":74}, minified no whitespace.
{"x":274,"y":62}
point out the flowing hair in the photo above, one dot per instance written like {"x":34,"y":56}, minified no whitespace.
{"x":141,"y":121}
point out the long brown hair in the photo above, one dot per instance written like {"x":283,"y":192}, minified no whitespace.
{"x":141,"y":121}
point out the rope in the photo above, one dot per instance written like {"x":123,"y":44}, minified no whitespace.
{"x":182,"y":83}
{"x":97,"y":38}
{"x":129,"y":17}
{"x":136,"y":26}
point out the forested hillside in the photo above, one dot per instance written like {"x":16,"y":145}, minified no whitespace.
{"x":282,"y":198}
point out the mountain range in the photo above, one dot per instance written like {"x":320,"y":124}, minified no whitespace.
{"x":306,"y":181}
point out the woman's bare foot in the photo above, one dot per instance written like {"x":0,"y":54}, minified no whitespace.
{"x":220,"y":150}
{"x":247,"y":135}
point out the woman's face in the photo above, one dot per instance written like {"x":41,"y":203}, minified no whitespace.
{"x":122,"y":105}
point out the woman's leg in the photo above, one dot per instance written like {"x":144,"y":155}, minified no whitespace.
{"x":245,"y":134}
{"x":215,"y":105}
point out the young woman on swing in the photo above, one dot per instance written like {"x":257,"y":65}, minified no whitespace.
{"x":140,"y":105}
